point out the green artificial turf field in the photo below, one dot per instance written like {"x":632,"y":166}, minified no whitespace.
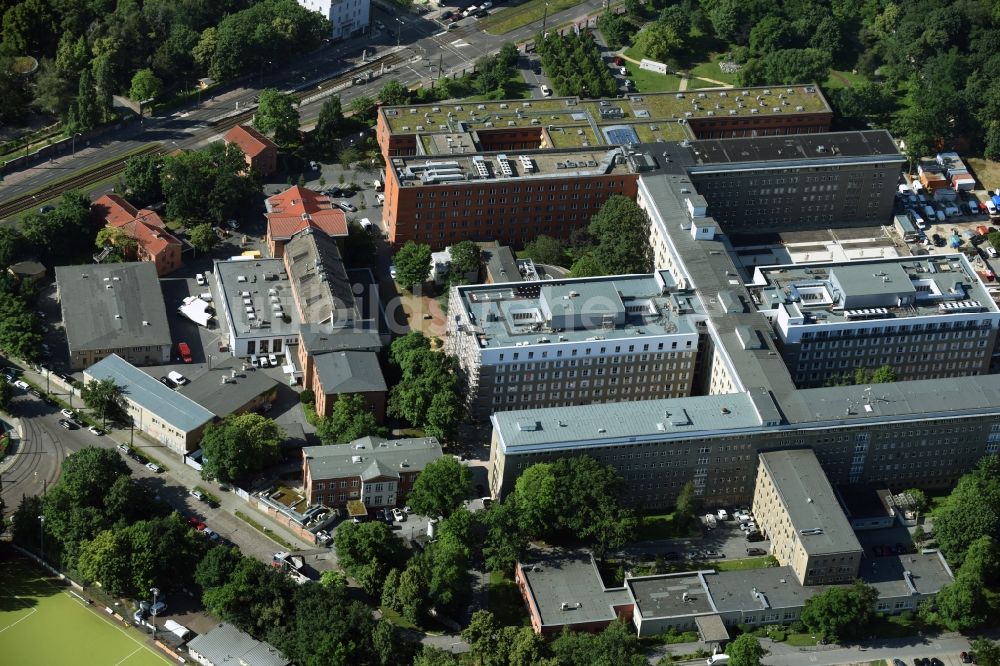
{"x":42,"y":624}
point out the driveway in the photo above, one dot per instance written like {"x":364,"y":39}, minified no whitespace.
{"x":727,"y":538}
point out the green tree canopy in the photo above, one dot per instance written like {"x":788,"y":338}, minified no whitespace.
{"x":621,"y":232}
{"x":971,"y":511}
{"x":329,"y":126}
{"x":240,"y":445}
{"x":203,"y":237}
{"x":615,"y":645}
{"x":841,"y":612}
{"x":6,"y":392}
{"x":428,"y":393}
{"x":393,"y":93}
{"x":277,"y":115}
{"x":367,"y":551}
{"x":351,"y":418}
{"x":141,"y":179}
{"x":413,"y":264}
{"x":746,"y":650}
{"x":465,"y":256}
{"x":363,"y":107}
{"x":105,"y":397}
{"x":145,"y":86}
{"x":546,"y":250}
{"x":208,"y":185}
{"x":441,"y":487}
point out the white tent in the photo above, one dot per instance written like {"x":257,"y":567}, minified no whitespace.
{"x":196,"y":310}
{"x":176,"y":629}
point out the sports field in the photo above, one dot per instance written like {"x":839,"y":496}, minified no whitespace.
{"x":42,"y":624}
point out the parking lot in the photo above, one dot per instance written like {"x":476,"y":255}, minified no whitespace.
{"x":725,"y":541}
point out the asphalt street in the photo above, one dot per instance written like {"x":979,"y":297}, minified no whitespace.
{"x":428,"y":48}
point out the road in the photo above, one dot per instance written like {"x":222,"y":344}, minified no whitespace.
{"x":427,"y":47}
{"x":945,"y":647}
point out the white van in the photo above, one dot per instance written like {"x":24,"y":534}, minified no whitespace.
{"x":177,"y":378}
{"x":716,"y":659}
{"x":366,"y":224}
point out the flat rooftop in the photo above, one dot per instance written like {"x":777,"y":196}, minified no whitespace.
{"x":672,"y":595}
{"x":905,"y":575}
{"x":876,"y":144}
{"x":641,"y":107}
{"x":574,"y":310}
{"x":904,"y":287}
{"x":112,"y":306}
{"x":810,"y":502}
{"x":227,"y":386}
{"x":580,"y":426}
{"x":570,"y":578}
{"x":252,"y":289}
{"x":523,"y":165}
{"x":758,"y":589}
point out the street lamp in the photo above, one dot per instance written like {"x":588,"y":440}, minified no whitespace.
{"x":399,"y":30}
{"x":154,"y":609}
{"x":75,"y":134}
{"x":545,"y":15}
{"x":41,"y":532}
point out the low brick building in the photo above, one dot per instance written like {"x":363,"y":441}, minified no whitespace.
{"x":297,"y":209}
{"x":261,"y":153}
{"x":377,"y":471}
{"x":153,"y":241}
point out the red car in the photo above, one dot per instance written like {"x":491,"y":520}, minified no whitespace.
{"x":185,"y":352}
{"x":618,"y":60}
{"x":195,"y":523}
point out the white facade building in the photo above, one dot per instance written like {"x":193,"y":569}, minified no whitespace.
{"x":346,"y":16}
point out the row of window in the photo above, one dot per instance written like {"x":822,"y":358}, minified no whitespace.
{"x":431,"y":193}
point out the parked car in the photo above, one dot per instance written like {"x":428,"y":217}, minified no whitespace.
{"x":273,"y":359}
{"x":211,"y":534}
{"x":447,"y":14}
{"x":168,"y":382}
{"x":95,"y":430}
{"x":196,"y":523}
{"x":21,"y":384}
{"x":347,"y":206}
{"x":754,"y":536}
{"x":153,"y":467}
{"x":68,"y":413}
{"x":392,"y":271}
{"x":965,"y":657}
{"x":197,"y":494}
{"x":199,"y":278}
{"x":123,"y":448}
{"x":66,"y":424}
{"x":546,"y":91}
{"x":233,"y":224}
{"x":177,"y":378}
{"x":399,"y":515}
{"x":756,"y":551}
{"x":185,"y":352}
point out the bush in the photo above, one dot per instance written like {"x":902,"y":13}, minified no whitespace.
{"x":307,"y":397}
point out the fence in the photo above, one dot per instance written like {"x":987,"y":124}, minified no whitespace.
{"x":58,"y":148}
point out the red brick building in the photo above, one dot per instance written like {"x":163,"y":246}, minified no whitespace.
{"x":299,"y":208}
{"x":154,"y":242}
{"x":379,"y":472}
{"x":261,"y":153}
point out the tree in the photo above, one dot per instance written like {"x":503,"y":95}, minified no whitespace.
{"x":785,"y":67}
{"x":971,"y":510}
{"x":586,"y":266}
{"x":433,"y":656}
{"x":987,"y":652}
{"x":494,"y":645}
{"x":615,"y":644}
{"x":685,"y":507}
{"x":506,"y":537}
{"x":441,"y":488}
{"x":621,"y":231}
{"x":363,"y":107}
{"x":216,"y":568}
{"x":141,"y":179}
{"x":240,"y":445}
{"x":920,"y":501}
{"x":465,"y":257}
{"x":367,"y":551}
{"x":105,"y":397}
{"x":413,"y":264}
{"x":85,"y":112}
{"x":145,"y":86}
{"x":6,"y":392}
{"x":329,"y":126}
{"x":772,"y":33}
{"x":207,"y":185}
{"x":351,"y":418}
{"x":326,"y":628}
{"x":105,"y":559}
{"x":841,"y":612}
{"x":12,"y":245}
{"x":277,"y":115}
{"x":393,"y":93}
{"x":203,"y":237}
{"x":746,"y":650}
{"x":546,"y":250}
{"x":52,"y":92}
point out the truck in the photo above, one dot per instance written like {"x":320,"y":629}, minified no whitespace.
{"x":377,"y":184}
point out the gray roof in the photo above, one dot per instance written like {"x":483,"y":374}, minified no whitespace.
{"x":318,"y":278}
{"x":356,"y":458}
{"x":905,"y":575}
{"x":501,"y":264}
{"x":169,"y":406}
{"x":559,"y":577}
{"x":112,"y":306}
{"x":243,"y":384}
{"x":323,"y":338}
{"x":350,"y":372}
{"x":577,"y":309}
{"x":264,"y":283}
{"x":593,"y":425}
{"x":228,"y":646}
{"x":758,"y":589}
{"x":810,"y":502}
{"x":664,"y":596}
{"x":828,"y":147}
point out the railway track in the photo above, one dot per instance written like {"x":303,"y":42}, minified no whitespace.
{"x":84,"y":178}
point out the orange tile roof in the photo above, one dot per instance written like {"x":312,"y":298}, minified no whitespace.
{"x":298,"y":208}
{"x":144,"y":225}
{"x":249,"y":140}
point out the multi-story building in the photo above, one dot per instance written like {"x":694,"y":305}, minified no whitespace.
{"x":150,"y":239}
{"x":377,"y":471}
{"x":261,"y":153}
{"x":512,"y":169}
{"x":573,"y":341}
{"x":113,"y":309}
{"x":297,"y":209}
{"x":796,"y":508}
{"x":347,"y":17}
{"x":925,"y":317}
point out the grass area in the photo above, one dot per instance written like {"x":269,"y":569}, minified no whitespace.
{"x":710,"y":69}
{"x":396,"y":618}
{"x":699,"y":84}
{"x":506,"y":602}
{"x":843,"y":79}
{"x":511,"y":18}
{"x":801,"y":640}
{"x":515,"y":87}
{"x":987,"y":172}
{"x":747,"y":563}
{"x":265,"y":531}
{"x":663,"y":526}
{"x":647,"y":81}
{"x":41,"y":623}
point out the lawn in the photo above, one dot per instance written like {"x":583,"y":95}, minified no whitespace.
{"x":506,"y":602}
{"x":986,"y":172}
{"x":710,"y":70}
{"x":647,"y":81}
{"x":663,"y":526}
{"x":41,"y":623}
{"x":745,"y":563}
{"x":842,"y":79}
{"x":514,"y":88}
{"x":800,"y":640}
{"x":511,"y":18}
